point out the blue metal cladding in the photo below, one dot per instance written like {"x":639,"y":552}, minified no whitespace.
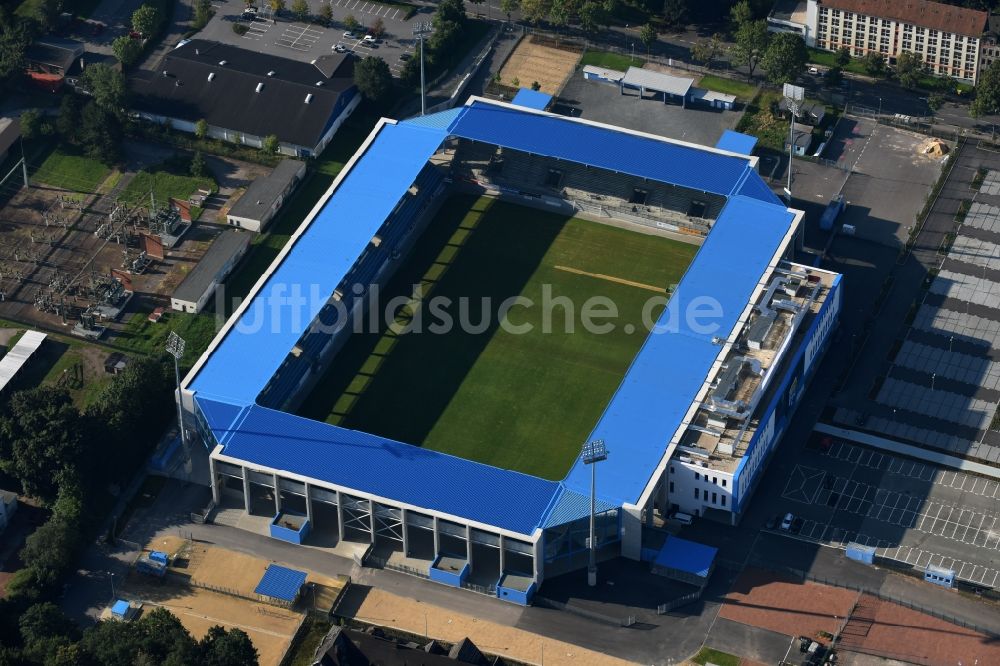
{"x":393,"y":470}
{"x":687,"y":556}
{"x":602,"y":147}
{"x":675,"y":359}
{"x":281,"y":582}
{"x":531,"y":99}
{"x":736,"y":142}
{"x":774,"y":420}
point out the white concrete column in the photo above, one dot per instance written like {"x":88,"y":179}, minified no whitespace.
{"x":503,"y":554}
{"x":340,"y":516}
{"x":277,"y":495}
{"x":631,"y":532}
{"x":468,"y":545}
{"x":216,"y":490}
{"x":437,"y":539}
{"x":404,"y":514}
{"x":246,"y":490}
{"x":309,"y":504}
{"x":648,"y":516}
{"x":538,"y":563}
{"x":371,"y":518}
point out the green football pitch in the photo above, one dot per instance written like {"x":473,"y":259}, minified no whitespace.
{"x":518,"y":400}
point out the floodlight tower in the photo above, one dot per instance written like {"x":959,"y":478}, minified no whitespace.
{"x":793,"y":96}
{"x":175,"y":347}
{"x":420,"y":30}
{"x":593,"y":453}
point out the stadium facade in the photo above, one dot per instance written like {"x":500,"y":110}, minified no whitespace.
{"x":699,"y":403}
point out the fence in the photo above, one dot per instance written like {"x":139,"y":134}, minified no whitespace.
{"x":488,"y":590}
{"x":583,"y":612}
{"x":689,"y":598}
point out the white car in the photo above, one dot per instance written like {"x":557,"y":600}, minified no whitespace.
{"x":786,"y":523}
{"x":813,"y":70}
{"x":348,"y":35}
{"x":371,"y":38}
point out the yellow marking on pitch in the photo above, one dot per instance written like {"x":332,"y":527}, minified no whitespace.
{"x":611,"y":278}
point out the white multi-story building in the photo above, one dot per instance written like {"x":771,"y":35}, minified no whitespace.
{"x":946,"y":38}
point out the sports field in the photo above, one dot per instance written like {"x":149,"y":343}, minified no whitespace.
{"x":523,"y":401}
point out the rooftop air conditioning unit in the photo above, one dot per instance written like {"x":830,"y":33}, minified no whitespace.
{"x":222,"y":63}
{"x":260,"y":86}
{"x":211,"y":76}
{"x":309,"y":98}
{"x":271,"y":73}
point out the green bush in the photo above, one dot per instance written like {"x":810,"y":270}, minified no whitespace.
{"x":240,"y":29}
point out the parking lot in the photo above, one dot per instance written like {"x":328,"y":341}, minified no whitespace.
{"x":910,"y":511}
{"x":306,"y":41}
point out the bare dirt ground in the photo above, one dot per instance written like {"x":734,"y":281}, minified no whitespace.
{"x":770,"y":601}
{"x":415,"y":617}
{"x":532,"y":61}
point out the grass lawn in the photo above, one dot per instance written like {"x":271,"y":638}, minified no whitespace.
{"x":717,"y":657}
{"x":610,"y":60}
{"x":145,"y":337}
{"x":166,"y":181}
{"x":71,"y":170}
{"x":518,"y":401}
{"x":301,"y":651}
{"x":744,"y":91}
{"x":758,"y":121}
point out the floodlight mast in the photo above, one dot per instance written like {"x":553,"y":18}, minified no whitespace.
{"x":420,"y":30}
{"x":593,"y":453}
{"x":793,"y":95}
{"x":175,"y":347}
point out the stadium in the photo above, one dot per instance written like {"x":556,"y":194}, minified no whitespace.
{"x":456,"y":456}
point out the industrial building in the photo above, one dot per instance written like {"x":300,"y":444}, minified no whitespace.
{"x":200,"y":284}
{"x":718,"y":394}
{"x":260,"y":203}
{"x":945,"y":37}
{"x":245,"y":96}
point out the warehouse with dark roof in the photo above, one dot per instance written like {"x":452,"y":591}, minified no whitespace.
{"x":246,"y":96}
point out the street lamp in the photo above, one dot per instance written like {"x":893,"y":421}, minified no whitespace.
{"x":420,"y":30}
{"x":175,"y":347}
{"x":112,"y":575}
{"x":593,"y":453}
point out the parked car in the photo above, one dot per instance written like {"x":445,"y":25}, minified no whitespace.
{"x":813,"y":70}
{"x":349,"y":35}
{"x":786,"y":523}
{"x":405,"y":56}
{"x":797,"y":525}
{"x":339,"y":48}
{"x":771,"y":523}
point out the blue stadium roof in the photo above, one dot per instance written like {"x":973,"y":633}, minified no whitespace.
{"x":688,"y":556}
{"x":637,"y":424}
{"x":280,"y":582}
{"x":386,"y":468}
{"x":532,"y":99}
{"x":736,"y":142}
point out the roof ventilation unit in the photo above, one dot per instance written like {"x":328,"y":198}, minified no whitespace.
{"x":211,"y":76}
{"x":319,"y":83}
{"x":271,"y":73}
{"x":222,"y":63}
{"x":309,"y":98}
{"x":260,"y":86}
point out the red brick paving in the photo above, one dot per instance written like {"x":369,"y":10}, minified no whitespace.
{"x":894,"y":631}
{"x":782,"y":604}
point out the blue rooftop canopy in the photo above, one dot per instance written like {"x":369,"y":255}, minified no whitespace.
{"x":120,"y":608}
{"x":687,"y":556}
{"x":736,"y":142}
{"x":281,"y":583}
{"x":532,"y":99}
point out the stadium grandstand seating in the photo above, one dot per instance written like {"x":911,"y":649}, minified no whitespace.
{"x":600,"y":192}
{"x":322,"y":337}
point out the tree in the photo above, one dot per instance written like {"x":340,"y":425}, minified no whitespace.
{"x":591,"y":17}
{"x":377,"y":28}
{"x":41,"y":436}
{"x":50,"y":549}
{"x":843,"y":56}
{"x":785,"y":58}
{"x":31,"y":123}
{"x":351,"y":23}
{"x":270,"y":144}
{"x":874,"y":64}
{"x":909,"y":69}
{"x":68,"y":120}
{"x":146,"y":20}
{"x":935,"y":101}
{"x":987,"y":99}
{"x":706,"y":50}
{"x":277,"y":6}
{"x":559,"y":12}
{"x":373,"y":78}
{"x":197,"y":164}
{"x":833,"y":77}
{"x":647,"y":35}
{"x":326,"y":13}
{"x":674,"y":13}
{"x":535,"y":11}
{"x":126,"y":49}
{"x":300,"y":9}
{"x":226,"y":648}
{"x":100,"y":133}
{"x":508,"y":7}
{"x":107,"y":86}
{"x":14,"y":40}
{"x":44,"y":620}
{"x":201,"y":129}
{"x":202,"y":13}
{"x":751,"y":44}
{"x":451,"y":10}
{"x":157,"y":637}
{"x":536,"y":86}
{"x":740,"y":13}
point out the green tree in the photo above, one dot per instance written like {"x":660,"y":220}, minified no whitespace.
{"x":508,"y":7}
{"x":300,"y":9}
{"x":675,"y":13}
{"x":874,"y":64}
{"x":326,"y":13}
{"x":201,"y":129}
{"x":50,"y":549}
{"x":202,"y":13}
{"x":270,"y":144}
{"x":100,"y":133}
{"x":740,"y":13}
{"x":591,"y":17}
{"x":227,"y":648}
{"x":409,"y":74}
{"x":45,"y":630}
{"x":373,"y":78}
{"x":377,"y":28}
{"x":909,"y":69}
{"x":126,"y":49}
{"x":107,"y":86}
{"x":785,"y":58}
{"x":451,"y":10}
{"x":14,"y":40}
{"x":31,"y":123}
{"x":351,"y":23}
{"x":647,"y":35}
{"x":146,"y":20}
{"x":197,"y":164}
{"x":277,"y":6}
{"x":536,"y":86}
{"x":560,"y":12}
{"x":41,"y":437}
{"x":987,"y":99}
{"x":751,"y":44}
{"x":68,"y":120}
{"x":843,"y":56}
{"x":158,"y":637}
{"x":834,"y":76}
{"x":935,"y":101}
{"x":535,"y":11}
